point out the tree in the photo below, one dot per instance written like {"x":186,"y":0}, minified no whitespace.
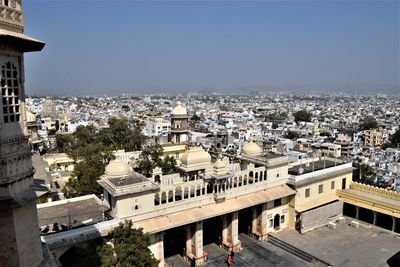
{"x":127,"y":246}
{"x":168,"y":165}
{"x":395,"y":139}
{"x":149,"y":159}
{"x":195,"y":118}
{"x":302,"y":115}
{"x":368,"y":123}
{"x":94,"y":158}
{"x":64,"y":142}
{"x":292,"y":135}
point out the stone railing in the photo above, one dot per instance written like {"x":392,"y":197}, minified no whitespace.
{"x":11,"y":16}
{"x":375,"y":191}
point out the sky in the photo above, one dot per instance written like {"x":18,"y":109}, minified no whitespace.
{"x":114,"y":47}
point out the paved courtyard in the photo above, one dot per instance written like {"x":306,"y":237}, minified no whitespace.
{"x":346,"y":245}
{"x":254,"y":254}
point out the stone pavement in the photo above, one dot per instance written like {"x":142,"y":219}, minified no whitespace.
{"x":254,"y":254}
{"x":346,"y":246}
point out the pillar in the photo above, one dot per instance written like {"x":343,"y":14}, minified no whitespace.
{"x":393,"y":224}
{"x":264,"y":222}
{"x":194,"y":242}
{"x":375,"y":215}
{"x":157,"y":247}
{"x":254,"y":221}
{"x":230,"y":231}
{"x":357,"y":212}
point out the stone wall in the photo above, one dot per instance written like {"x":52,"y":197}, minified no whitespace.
{"x":320,"y":216}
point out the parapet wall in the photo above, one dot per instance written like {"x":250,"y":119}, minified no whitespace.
{"x":375,"y":191}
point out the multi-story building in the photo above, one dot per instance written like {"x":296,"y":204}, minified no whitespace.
{"x":316,"y":202}
{"x":157,"y":126}
{"x":374,"y":137}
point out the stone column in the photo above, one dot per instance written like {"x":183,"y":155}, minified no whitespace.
{"x":375,"y":215}
{"x":234,"y":231}
{"x":393,"y":224}
{"x":264,"y":222}
{"x":254,"y":221}
{"x":194,"y":242}
{"x":189,"y":237}
{"x":157,"y":247}
{"x":357,"y":212}
{"x":225,"y":229}
{"x":197,"y":243}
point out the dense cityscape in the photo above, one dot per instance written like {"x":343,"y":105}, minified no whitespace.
{"x":257,"y":178}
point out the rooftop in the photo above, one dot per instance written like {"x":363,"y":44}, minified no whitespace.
{"x":313,"y":166}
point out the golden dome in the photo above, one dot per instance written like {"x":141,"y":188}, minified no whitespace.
{"x":195,"y":156}
{"x":252,"y":149}
{"x":179,"y":110}
{"x":117,"y":168}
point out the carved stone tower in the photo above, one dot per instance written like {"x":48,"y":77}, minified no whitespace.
{"x":19,"y":231}
{"x":179,"y":124}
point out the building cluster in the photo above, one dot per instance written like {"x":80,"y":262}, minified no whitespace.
{"x":225,"y":123}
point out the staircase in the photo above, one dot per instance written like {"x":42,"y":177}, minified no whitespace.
{"x":289,"y":248}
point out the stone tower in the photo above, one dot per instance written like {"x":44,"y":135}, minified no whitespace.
{"x":179,"y":124}
{"x":19,"y":231}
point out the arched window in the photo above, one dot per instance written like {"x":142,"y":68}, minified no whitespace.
{"x":10,"y":93}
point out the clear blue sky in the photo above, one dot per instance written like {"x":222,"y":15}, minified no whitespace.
{"x":96,"y":47}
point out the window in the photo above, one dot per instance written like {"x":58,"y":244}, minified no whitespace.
{"x":332,"y":185}
{"x":277,"y":202}
{"x":282,"y":218}
{"x":271,"y":223}
{"x":320,"y":188}
{"x":307,"y":193}
{"x":136,"y":207}
{"x":10,"y":93}
{"x":6,"y":2}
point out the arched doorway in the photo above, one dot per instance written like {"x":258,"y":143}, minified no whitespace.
{"x":276,"y":221}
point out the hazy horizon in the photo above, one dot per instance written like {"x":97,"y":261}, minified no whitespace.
{"x":103,"y":47}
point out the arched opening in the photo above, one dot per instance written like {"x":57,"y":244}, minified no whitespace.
{"x":240,"y":180}
{"x":265,"y":175}
{"x":157,"y":179}
{"x":256,"y":178}
{"x":170,"y":196}
{"x":178,"y":193}
{"x":186,"y":193}
{"x":163,"y":197}
{"x":277,"y":221}
{"x":157,"y":199}
{"x":209,"y":189}
{"x":235,"y":182}
{"x":245,"y":180}
{"x":192,"y":191}
{"x":251,"y":177}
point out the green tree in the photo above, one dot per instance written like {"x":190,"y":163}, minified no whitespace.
{"x":302,"y":115}
{"x":368,"y":123}
{"x":168,"y":165}
{"x":292,"y":135}
{"x":64,"y":142}
{"x":149,"y":159}
{"x":127,"y":246}
{"x":395,"y":138}
{"x":94,"y":158}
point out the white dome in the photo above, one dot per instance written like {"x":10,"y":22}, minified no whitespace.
{"x":252,"y":149}
{"x":195,"y":156}
{"x":179,"y":110}
{"x":117,"y":168}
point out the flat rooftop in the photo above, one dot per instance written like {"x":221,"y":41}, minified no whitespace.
{"x":133,"y":178}
{"x":313,"y":166}
{"x":345,"y":246}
